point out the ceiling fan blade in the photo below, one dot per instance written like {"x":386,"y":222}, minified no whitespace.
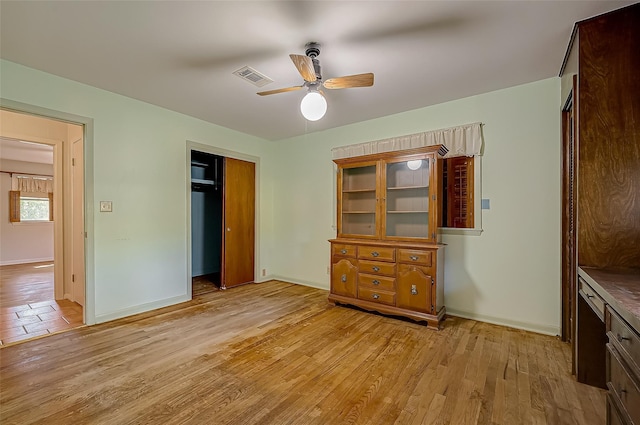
{"x":276,"y":91}
{"x":358,"y":80}
{"x":305,"y":67}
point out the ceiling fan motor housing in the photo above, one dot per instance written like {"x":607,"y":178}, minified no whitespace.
{"x":313,"y":51}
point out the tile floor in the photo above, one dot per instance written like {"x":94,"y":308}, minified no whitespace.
{"x":18,"y":323}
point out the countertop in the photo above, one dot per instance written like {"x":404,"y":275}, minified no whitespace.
{"x":619,"y":287}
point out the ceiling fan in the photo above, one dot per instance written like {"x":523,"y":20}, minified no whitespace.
{"x":314,"y":105}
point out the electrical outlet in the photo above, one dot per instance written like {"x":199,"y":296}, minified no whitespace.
{"x":328,"y":269}
{"x":264,"y":272}
{"x":106,"y":206}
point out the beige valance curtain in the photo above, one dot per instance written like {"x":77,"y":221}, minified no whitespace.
{"x":463,"y":140}
{"x":32,"y":184}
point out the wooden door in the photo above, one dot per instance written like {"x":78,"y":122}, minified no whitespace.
{"x":77,"y":214}
{"x":239,"y":223}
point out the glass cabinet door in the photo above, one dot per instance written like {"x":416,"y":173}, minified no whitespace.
{"x":407,"y":197}
{"x":358,"y":201}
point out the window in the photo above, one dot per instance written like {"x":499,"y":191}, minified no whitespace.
{"x":34,"y":209}
{"x":30,"y":207}
{"x":460,"y":193}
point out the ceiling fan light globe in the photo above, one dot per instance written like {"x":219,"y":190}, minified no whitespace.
{"x":313,"y":106}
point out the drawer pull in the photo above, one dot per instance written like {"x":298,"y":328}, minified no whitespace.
{"x":343,"y":251}
{"x":376,"y":282}
{"x":623,"y":338}
{"x":414,"y":290}
{"x":344,"y":278}
{"x":590,"y":296}
{"x":414,"y":258}
{"x":375,"y":253}
{"x":376,"y":268}
{"x":375,"y":296}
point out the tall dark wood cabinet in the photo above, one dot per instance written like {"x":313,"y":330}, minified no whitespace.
{"x":386,"y":257}
{"x":601,"y":206}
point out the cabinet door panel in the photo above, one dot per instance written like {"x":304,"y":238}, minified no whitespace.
{"x":409,"y":188}
{"x":344,"y":275}
{"x":414,"y":291}
{"x":358,"y":200}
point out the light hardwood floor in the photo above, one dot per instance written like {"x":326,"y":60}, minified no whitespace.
{"x":27,"y":305}
{"x":277,"y":353}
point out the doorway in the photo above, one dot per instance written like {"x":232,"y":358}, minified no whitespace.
{"x":52,"y":289}
{"x":207,"y":172}
{"x":222,"y":221}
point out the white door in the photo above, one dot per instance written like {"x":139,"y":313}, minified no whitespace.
{"x":77,"y":183}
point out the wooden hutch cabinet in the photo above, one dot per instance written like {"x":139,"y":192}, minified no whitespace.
{"x":386,"y":257}
{"x":601,"y":207}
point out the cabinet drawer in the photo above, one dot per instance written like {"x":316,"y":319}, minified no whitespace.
{"x":344,"y":250}
{"x":377,"y":296}
{"x":404,"y":268}
{"x":613,"y":414}
{"x":592,"y":297}
{"x":377,"y":267}
{"x":415,"y":256}
{"x":622,"y":386}
{"x":379,"y":253}
{"x":377,"y":282}
{"x":623,"y":337}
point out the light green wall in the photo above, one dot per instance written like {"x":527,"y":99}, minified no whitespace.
{"x":139,"y":163}
{"x":510,"y":274}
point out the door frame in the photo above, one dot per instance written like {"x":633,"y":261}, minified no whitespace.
{"x":89,"y":243}
{"x":195,"y":146}
{"x":569,"y":258}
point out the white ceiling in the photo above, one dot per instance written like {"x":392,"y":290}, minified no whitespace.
{"x":18,"y":150}
{"x":181,"y":54}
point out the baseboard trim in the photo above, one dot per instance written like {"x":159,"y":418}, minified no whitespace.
{"x":526,"y":326}
{"x":26,"y":261}
{"x":142,"y":308}
{"x":300,"y":282}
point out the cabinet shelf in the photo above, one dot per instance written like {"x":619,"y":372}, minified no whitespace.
{"x":408,"y":187}
{"x":358,"y":190}
{"x":408,"y":212}
{"x":358,"y":212}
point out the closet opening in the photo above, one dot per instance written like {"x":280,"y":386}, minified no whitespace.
{"x":207,"y":203}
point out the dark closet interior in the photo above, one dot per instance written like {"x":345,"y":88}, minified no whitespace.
{"x":207,"y":173}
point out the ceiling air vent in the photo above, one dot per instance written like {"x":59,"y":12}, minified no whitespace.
{"x":254,"y":77}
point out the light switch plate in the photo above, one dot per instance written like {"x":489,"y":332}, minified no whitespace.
{"x":106,"y":206}
{"x":485,"y":204}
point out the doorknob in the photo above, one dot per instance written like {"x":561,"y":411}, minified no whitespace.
{"x":228,"y":229}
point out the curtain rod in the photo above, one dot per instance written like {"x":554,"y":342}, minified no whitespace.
{"x":25,"y":174}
